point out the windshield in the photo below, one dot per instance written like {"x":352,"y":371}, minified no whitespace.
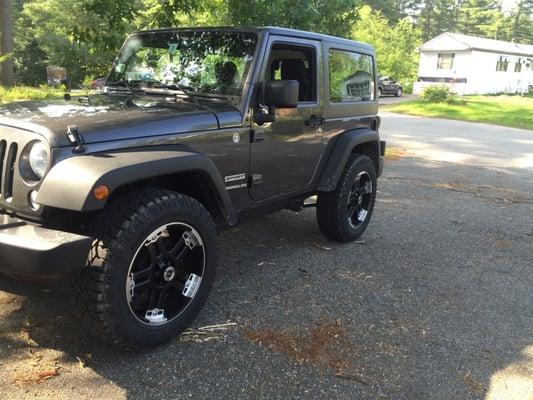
{"x":201,"y":62}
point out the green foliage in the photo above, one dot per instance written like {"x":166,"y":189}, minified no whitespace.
{"x":87,"y":82}
{"x":28,"y":93}
{"x":84,"y":35}
{"x":479,"y":18}
{"x":407,"y":87}
{"x":395,"y":44}
{"x":334,"y":17}
{"x":435,"y":94}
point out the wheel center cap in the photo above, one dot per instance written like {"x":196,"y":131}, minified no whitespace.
{"x":169,"y":273}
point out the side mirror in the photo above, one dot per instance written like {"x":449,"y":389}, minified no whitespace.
{"x":282,"y":94}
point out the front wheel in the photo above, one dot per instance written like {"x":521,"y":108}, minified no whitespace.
{"x":150,"y":269}
{"x":344,"y":214}
{"x":399,"y":92}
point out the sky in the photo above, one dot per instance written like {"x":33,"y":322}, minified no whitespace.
{"x":508,"y":5}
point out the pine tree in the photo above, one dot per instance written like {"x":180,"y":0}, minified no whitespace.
{"x":522,"y":22}
{"x":479,"y":18}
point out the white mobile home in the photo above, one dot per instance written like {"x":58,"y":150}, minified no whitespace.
{"x":473,"y":65}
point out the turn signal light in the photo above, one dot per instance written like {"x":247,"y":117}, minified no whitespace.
{"x":101,"y":192}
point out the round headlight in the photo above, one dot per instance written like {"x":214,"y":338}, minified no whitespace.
{"x":38,"y":159}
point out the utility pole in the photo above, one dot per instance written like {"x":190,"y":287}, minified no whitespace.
{"x":6,"y":44}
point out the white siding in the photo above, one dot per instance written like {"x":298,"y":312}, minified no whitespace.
{"x":485,"y":79}
{"x":427,"y":66}
{"x":479,"y":69}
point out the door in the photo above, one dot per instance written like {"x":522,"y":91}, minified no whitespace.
{"x":285,"y":153}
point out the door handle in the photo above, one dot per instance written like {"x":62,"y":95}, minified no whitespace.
{"x":315,"y":121}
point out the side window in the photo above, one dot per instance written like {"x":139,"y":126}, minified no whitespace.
{"x":289,"y":62}
{"x":351,"y":76}
{"x":501,"y":64}
{"x":445,"y":60}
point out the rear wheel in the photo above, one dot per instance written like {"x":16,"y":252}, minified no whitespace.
{"x":150,"y":269}
{"x":344,"y":214}
{"x":399,"y":92}
{"x":380,"y":92}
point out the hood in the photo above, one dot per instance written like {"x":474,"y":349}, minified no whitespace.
{"x":104,"y":118}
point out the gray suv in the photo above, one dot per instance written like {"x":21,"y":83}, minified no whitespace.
{"x":195,"y":129}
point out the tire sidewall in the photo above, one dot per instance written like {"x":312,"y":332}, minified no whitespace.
{"x":358,"y":165}
{"x":124,"y":248}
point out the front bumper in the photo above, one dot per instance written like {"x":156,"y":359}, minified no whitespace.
{"x":36,"y":252}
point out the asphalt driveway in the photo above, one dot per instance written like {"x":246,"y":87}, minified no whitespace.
{"x":434,"y":302}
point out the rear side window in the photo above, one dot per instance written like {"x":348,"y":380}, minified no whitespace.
{"x":351,"y":76}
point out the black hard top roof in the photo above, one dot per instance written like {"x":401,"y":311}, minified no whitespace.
{"x":272,"y":30}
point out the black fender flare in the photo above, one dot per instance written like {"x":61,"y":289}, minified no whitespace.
{"x":71,"y":182}
{"x":339,"y":154}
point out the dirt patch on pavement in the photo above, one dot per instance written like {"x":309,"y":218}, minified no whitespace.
{"x":487,"y":192}
{"x":324,"y":345}
{"x":395,"y":153}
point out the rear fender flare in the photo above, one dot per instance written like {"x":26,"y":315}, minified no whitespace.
{"x":339,"y":154}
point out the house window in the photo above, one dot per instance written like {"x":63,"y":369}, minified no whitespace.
{"x":351,"y":76}
{"x":445,"y":60}
{"x":502,"y":64}
{"x":518,"y":65}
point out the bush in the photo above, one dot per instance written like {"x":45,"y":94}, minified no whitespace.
{"x":436,"y":94}
{"x":407,"y":87}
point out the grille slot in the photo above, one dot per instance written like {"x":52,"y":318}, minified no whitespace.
{"x":2,"y":156}
{"x":9,"y":172}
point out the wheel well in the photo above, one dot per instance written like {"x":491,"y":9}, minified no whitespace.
{"x":370,"y":149}
{"x":196,"y":184}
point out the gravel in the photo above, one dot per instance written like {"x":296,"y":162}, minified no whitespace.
{"x":434,"y":302}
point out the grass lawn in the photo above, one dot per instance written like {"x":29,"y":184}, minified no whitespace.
{"x":514,"y":111}
{"x":19,"y":93}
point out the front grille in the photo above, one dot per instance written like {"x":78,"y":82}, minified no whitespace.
{"x":2,"y":156}
{"x":8,"y":170}
{"x":14,"y":191}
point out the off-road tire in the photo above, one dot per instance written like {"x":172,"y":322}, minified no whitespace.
{"x":100,"y":288}
{"x":332,"y":207}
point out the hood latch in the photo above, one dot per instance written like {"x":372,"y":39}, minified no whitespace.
{"x":74,"y":137}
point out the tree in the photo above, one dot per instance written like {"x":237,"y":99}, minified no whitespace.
{"x":522,"y":22}
{"x":334,"y":17}
{"x":395,"y":44}
{"x":6,"y":44}
{"x":479,"y":18}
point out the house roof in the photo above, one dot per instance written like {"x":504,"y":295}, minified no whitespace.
{"x":456,"y":41}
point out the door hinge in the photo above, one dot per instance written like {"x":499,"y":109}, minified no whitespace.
{"x":255,"y":179}
{"x":257,"y":135}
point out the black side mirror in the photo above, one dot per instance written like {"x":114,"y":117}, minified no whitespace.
{"x":282,"y":93}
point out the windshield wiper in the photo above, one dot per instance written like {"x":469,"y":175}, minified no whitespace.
{"x":121,"y":82}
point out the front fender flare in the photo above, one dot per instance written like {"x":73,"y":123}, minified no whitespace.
{"x":70,"y":183}
{"x":339,"y":154}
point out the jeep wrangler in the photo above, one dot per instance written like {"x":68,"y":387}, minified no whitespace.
{"x":123,"y":191}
